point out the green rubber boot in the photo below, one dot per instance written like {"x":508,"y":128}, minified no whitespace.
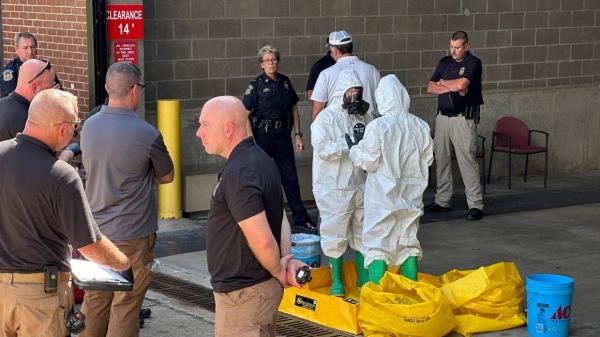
{"x":409,"y":268}
{"x":377,"y":269}
{"x":361,"y":271}
{"x":337,"y":286}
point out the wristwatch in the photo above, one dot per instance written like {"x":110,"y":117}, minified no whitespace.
{"x":298,"y":134}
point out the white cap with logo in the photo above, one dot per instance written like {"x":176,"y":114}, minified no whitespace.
{"x":339,"y":38}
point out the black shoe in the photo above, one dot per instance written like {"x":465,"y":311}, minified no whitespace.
{"x":145,"y":313}
{"x":475,"y":214}
{"x":306,"y":227}
{"x":141,"y":322}
{"x":433,"y":207}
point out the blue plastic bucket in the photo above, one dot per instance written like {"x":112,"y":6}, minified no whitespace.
{"x":307,"y":248}
{"x":549,"y":300}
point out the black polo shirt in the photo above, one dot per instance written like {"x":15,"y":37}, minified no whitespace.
{"x":14,"y":110}
{"x":43,"y":208}
{"x":268,"y":99}
{"x":449,"y":69}
{"x":322,"y":64}
{"x":249,"y":184}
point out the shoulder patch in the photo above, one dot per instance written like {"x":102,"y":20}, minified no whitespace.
{"x":249,"y":89}
{"x":7,"y":75}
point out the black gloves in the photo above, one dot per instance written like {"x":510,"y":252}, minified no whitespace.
{"x":75,"y":148}
{"x":127,"y":274}
{"x":350,"y":142}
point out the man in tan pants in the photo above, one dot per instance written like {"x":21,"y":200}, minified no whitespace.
{"x":457,"y":82}
{"x":43,"y":214}
{"x":124,"y":158}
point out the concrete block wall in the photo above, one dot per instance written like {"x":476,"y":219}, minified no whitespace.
{"x":197,"y":49}
{"x":61,"y":30}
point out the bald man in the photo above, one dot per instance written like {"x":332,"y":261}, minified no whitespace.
{"x":43,"y":212}
{"x":247,"y":234}
{"x":35,"y":76}
{"x":123,"y":156}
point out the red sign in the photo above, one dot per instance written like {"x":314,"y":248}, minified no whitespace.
{"x":125,"y":22}
{"x":126,"y":52}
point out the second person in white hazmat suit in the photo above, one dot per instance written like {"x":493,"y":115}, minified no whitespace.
{"x":396,"y":151}
{"x":338,"y":186}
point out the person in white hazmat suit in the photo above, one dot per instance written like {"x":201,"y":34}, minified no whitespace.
{"x":396,"y":151}
{"x":338,"y":186}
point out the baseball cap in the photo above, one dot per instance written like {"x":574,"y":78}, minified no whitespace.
{"x":339,"y":38}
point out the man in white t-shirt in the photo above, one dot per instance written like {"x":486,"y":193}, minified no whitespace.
{"x":340,"y":43}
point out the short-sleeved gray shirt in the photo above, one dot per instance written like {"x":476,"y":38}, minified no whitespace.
{"x":43,"y":208}
{"x":120,"y":151}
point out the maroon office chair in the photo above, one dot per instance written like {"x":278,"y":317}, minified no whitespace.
{"x":512,"y":136}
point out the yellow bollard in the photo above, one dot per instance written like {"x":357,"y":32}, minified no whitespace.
{"x":168,"y":122}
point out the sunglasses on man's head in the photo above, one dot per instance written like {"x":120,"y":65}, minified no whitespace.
{"x":47,"y":67}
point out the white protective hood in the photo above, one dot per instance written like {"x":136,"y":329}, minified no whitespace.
{"x":396,"y":152}
{"x":332,"y":167}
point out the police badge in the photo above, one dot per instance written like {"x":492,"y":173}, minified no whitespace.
{"x":287,"y":87}
{"x":461,"y":71}
{"x":7,"y":75}
{"x":249,"y":89}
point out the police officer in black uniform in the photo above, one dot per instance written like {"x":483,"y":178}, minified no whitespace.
{"x":26,"y":49}
{"x":272,"y":103}
{"x":457,"y":82}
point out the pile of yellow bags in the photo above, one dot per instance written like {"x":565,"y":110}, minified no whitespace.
{"x":470,"y":301}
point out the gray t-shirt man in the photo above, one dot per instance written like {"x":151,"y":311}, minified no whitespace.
{"x":120,"y":154}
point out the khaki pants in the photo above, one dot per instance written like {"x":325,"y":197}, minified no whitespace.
{"x":248,"y":312}
{"x":122,"y":306}
{"x":463,"y":135}
{"x":26,"y":310}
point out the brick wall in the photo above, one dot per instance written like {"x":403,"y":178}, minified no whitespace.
{"x":196,"y":49}
{"x":61,"y":31}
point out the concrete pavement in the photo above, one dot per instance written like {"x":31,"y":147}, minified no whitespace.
{"x":559,"y":236}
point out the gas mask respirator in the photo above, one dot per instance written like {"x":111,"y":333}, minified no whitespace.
{"x":354,"y":104}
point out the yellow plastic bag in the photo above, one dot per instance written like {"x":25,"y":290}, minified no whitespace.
{"x":487,"y":299}
{"x":313,"y":302}
{"x":401,"y":307}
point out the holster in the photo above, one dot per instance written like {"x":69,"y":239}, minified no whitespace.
{"x":50,"y":279}
{"x":474,"y":113}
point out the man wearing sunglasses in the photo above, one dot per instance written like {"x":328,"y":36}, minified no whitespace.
{"x":26,"y":49}
{"x":124,"y":156}
{"x":36,"y":76}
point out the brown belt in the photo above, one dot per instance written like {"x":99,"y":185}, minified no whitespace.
{"x":34,"y":278}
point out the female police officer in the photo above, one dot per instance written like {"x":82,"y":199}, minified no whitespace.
{"x":272,"y":103}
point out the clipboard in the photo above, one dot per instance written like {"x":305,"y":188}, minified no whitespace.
{"x":88,"y":275}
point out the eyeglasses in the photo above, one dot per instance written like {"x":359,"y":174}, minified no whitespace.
{"x":75,"y":122}
{"x":47,"y":67}
{"x":271,"y":61}
{"x":142,"y":86}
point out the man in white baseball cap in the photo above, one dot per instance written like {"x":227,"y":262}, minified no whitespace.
{"x":340,"y":44}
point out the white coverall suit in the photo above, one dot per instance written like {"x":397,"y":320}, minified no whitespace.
{"x":396,"y":151}
{"x":338,"y":185}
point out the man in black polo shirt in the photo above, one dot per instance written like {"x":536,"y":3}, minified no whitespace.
{"x":457,"y":82}
{"x":43,"y":212}
{"x":248,"y":238}
{"x":322,"y":64}
{"x":35,"y":76}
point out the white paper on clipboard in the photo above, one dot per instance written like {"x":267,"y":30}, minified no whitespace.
{"x":87,"y":271}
